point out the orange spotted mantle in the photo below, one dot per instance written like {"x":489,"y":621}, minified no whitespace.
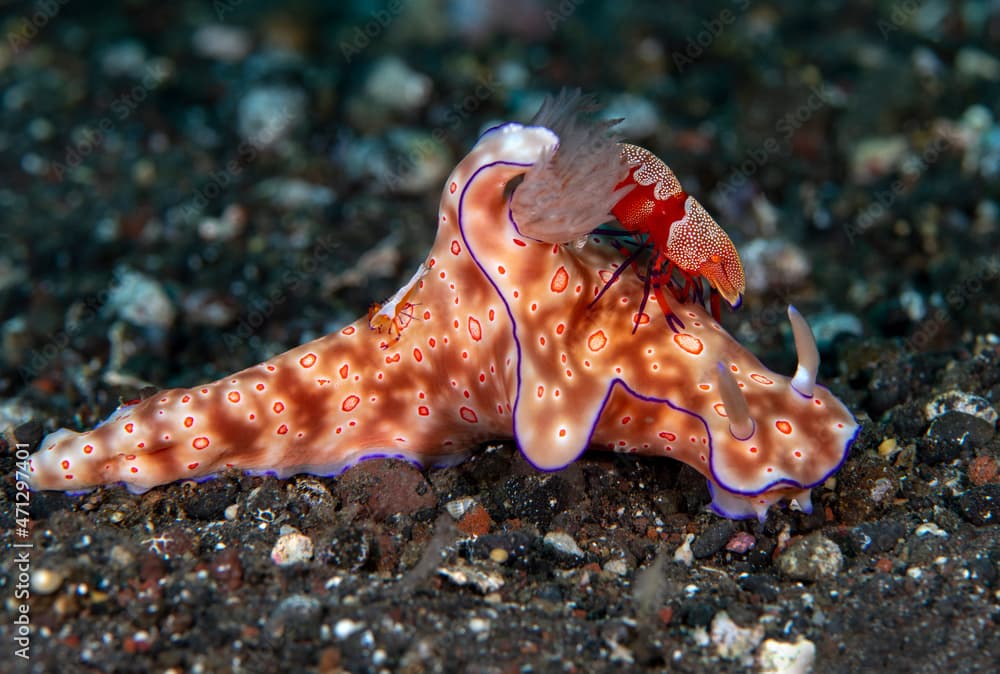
{"x":496,"y":340}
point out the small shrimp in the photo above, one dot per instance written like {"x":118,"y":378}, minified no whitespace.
{"x":660,"y":215}
{"x":396,"y":313}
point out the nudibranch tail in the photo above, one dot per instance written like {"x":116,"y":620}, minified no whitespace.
{"x":570,"y":191}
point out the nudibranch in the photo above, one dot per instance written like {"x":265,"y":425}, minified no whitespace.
{"x":494,"y":337}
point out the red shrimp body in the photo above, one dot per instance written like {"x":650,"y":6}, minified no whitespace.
{"x":680,"y":231}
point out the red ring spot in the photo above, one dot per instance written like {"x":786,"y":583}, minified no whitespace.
{"x":308,"y":360}
{"x":260,"y":387}
{"x":188,"y":422}
{"x":233,"y":396}
{"x":666,"y":435}
{"x":783,"y":426}
{"x":200,"y":442}
{"x":501,"y":269}
{"x":87,"y":449}
{"x":129,"y":427}
{"x":282,"y":429}
{"x":560,"y":280}
{"x":350,"y":402}
{"x":761,"y":379}
{"x":192,"y":466}
{"x":69,"y":477}
{"x":562,"y":432}
{"x":455,"y":248}
{"x":279,"y":407}
{"x":468,"y":414}
{"x":186,"y":399}
{"x":475,"y":329}
{"x":597,"y":341}
{"x":753,"y":450}
{"x":423,"y":411}
{"x":689,"y":343}
{"x":453,"y":187}
{"x":65,"y":464}
{"x":134,"y":469}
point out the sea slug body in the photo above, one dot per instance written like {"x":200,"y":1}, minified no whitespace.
{"x":499,"y":341}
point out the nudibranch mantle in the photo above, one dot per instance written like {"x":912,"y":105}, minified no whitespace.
{"x":499,"y":341}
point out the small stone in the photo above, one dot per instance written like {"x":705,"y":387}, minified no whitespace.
{"x":46,"y":581}
{"x":463,"y":575}
{"x":741,"y":542}
{"x":980,"y":505}
{"x":983,"y":470}
{"x":780,"y":657}
{"x":499,"y":555}
{"x":220,"y":42}
{"x":873,"y":158}
{"x":930,"y":529}
{"x":713,"y":539}
{"x":960,"y":401}
{"x":295,"y":194}
{"x":140,"y":300}
{"x":732,"y":641}
{"x":618,"y":567}
{"x":961,"y":428}
{"x":683,"y":552}
{"x":346,"y":627}
{"x":774,"y":263}
{"x":888,"y":447}
{"x":296,"y":618}
{"x":292,"y":548}
{"x":231,"y":512}
{"x":563,"y":543}
{"x":393,"y":84}
{"x":475,"y":522}
{"x":811,"y":558}
{"x":268,"y":115}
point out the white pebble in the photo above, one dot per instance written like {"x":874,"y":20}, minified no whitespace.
{"x":562,"y":542}
{"x":46,"y":581}
{"x":780,"y":657}
{"x":292,"y":548}
{"x":346,"y":627}
{"x":393,"y":84}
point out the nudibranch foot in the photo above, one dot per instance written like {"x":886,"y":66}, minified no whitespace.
{"x":496,"y":336}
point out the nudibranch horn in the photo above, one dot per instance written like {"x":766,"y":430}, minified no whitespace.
{"x":804,"y":380}
{"x":495,"y":339}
